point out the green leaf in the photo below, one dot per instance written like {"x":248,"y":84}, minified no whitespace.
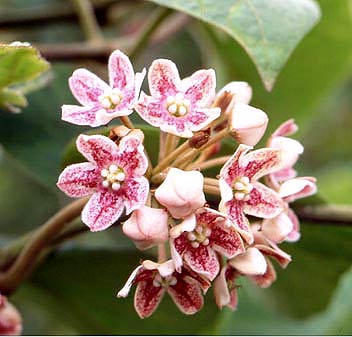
{"x":79,"y":287}
{"x":19,"y":64}
{"x":268,"y":30}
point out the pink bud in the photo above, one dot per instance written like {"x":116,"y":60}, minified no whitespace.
{"x":10,"y":319}
{"x":247,"y":124}
{"x":147,"y":227}
{"x":252,"y":262}
{"x":290,"y":150}
{"x":278,"y":228}
{"x":241,"y":91}
{"x":181,"y":192}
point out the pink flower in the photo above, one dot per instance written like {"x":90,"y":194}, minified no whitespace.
{"x":198,"y":244}
{"x":242,"y":194}
{"x":154,"y":280}
{"x":147,"y":227}
{"x":113,"y":175}
{"x":102,"y":102}
{"x":178,"y":106}
{"x":10,"y":319}
{"x":181,"y":192}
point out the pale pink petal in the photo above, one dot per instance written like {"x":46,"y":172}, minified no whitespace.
{"x":252,"y":262}
{"x":202,"y":260}
{"x":147,"y":298}
{"x":298,"y":188}
{"x":265,"y":280}
{"x":233,"y":299}
{"x":225,"y":190}
{"x":187,"y":225}
{"x":274,"y":251}
{"x":87,"y":87}
{"x":295,"y":234}
{"x":285,"y":174}
{"x":166,"y":268}
{"x":259,"y":163}
{"x":235,"y":211}
{"x":103,"y":116}
{"x":226,"y":241}
{"x":163,"y":78}
{"x":126,"y":288}
{"x":121,"y":74}
{"x":199,"y":88}
{"x":78,"y":180}
{"x":263,"y":203}
{"x":232,"y":169}
{"x":138,"y":80}
{"x":278,"y":228}
{"x":81,"y":115}
{"x":187,"y":295}
{"x":135,"y":191}
{"x":201,"y":117}
{"x":175,"y":253}
{"x":241,"y":90}
{"x":97,"y":149}
{"x":10,"y":318}
{"x":221,"y":290}
{"x":102,"y":210}
{"x":290,"y":150}
{"x":247,"y":124}
{"x":131,"y":156}
{"x":147,"y":227}
{"x":286,"y":129}
{"x":151,"y":110}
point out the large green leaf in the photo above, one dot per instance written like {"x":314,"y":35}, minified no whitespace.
{"x":268,"y":30}
{"x":79,"y":287}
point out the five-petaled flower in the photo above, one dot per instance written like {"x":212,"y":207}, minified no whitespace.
{"x":198,"y":242}
{"x":178,"y":106}
{"x":242,"y":194}
{"x":102,"y":102}
{"x":154,"y":279}
{"x":114,"y":175}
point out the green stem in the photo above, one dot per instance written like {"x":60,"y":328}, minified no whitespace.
{"x":142,"y":40}
{"x":88,"y":20}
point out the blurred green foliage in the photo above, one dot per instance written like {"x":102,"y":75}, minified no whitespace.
{"x":73,"y":292}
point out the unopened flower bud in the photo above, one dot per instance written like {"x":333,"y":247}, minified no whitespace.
{"x":147,"y":227}
{"x":10,"y":319}
{"x":252,"y":262}
{"x":247,"y":124}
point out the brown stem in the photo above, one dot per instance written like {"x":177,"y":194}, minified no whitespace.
{"x":211,"y":189}
{"x":209,"y":163}
{"x":25,"y":261}
{"x":125,"y":120}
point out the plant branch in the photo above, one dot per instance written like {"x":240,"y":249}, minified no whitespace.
{"x":24,"y":263}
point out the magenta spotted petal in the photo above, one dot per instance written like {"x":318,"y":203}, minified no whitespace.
{"x":113,"y":175}
{"x":242,"y":194}
{"x":177,"y":106}
{"x":102,"y":102}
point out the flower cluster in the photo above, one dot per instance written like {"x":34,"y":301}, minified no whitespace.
{"x":199,"y":242}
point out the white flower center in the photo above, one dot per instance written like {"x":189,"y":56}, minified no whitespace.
{"x":200,"y":235}
{"x":242,"y":189}
{"x":113,"y":177}
{"x":110,"y":100}
{"x":164,"y":281}
{"x":178,"y":105}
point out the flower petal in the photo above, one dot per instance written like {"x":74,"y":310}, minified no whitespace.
{"x":232,"y":168}
{"x":226,"y":240}
{"x":252,"y":262}
{"x":187,"y":225}
{"x":295,"y":234}
{"x":297,"y":188}
{"x":274,"y":251}
{"x":81,"y":115}
{"x":286,"y":129}
{"x":263,"y":203}
{"x":78,"y":180}
{"x":278,"y":228}
{"x":97,"y":149}
{"x":221,"y":290}
{"x":131,"y":156}
{"x":187,"y":295}
{"x":147,"y":298}
{"x":126,"y":288}
{"x":242,"y":91}
{"x":150,"y":109}
{"x":202,"y":260}
{"x":135,"y":191}
{"x":265,"y":280}
{"x":201,"y":118}
{"x":225,"y":190}
{"x":199,"y":88}
{"x":163,"y":78}
{"x":87,"y":87}
{"x":259,"y":163}
{"x":235,"y":211}
{"x":121,"y":74}
{"x":102,"y":210}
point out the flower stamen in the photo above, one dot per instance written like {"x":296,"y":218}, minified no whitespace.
{"x":242,"y":189}
{"x":110,"y":100}
{"x":200,"y":235}
{"x":177,"y":105}
{"x":114,"y":177}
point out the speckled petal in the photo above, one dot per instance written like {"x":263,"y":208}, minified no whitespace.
{"x":102,"y":210}
{"x":78,"y":180}
{"x":297,"y":188}
{"x":135,"y":193}
{"x":87,"y":87}
{"x":97,"y":149}
{"x":81,"y":115}
{"x":202,"y":117}
{"x":121,"y":74}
